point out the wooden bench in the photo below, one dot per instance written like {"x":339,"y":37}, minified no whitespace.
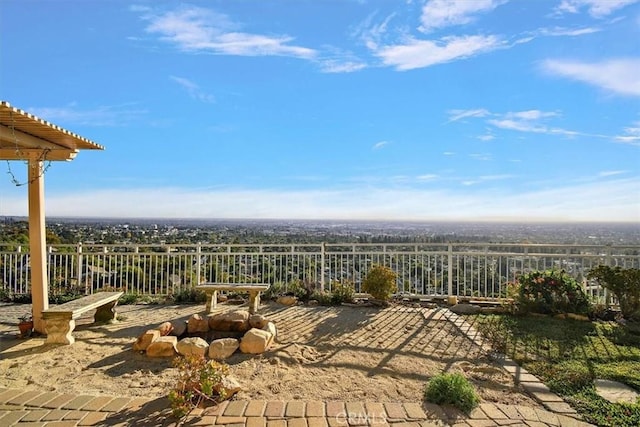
{"x":60,"y":319}
{"x":254,"y":289}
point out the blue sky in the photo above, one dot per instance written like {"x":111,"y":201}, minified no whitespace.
{"x":410,"y":110}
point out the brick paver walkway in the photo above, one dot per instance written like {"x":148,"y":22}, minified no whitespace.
{"x":28,"y":408}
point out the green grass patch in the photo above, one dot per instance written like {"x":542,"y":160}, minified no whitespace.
{"x":568,"y":355}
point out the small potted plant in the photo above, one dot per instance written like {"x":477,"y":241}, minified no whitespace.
{"x":25,"y":324}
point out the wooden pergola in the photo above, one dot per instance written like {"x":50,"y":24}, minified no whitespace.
{"x":25,"y":137}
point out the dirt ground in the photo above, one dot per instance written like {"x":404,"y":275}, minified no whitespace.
{"x":321,"y":353}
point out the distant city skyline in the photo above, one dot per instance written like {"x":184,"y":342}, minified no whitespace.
{"x":423,"y":110}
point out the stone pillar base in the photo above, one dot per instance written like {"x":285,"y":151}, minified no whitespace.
{"x":59,"y":331}
{"x":106,"y":313}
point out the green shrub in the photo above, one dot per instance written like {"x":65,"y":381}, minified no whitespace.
{"x":341,"y":292}
{"x":380,"y":282}
{"x":550,"y":292}
{"x":453,"y":389}
{"x":323,"y":297}
{"x":276,"y":290}
{"x":624,"y":284}
{"x":199,"y":380}
{"x":189,"y":296}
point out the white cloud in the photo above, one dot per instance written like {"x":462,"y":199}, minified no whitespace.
{"x":596,"y":8}
{"x":619,"y":76}
{"x":379,"y":145}
{"x":487,"y":137}
{"x":531,"y":114}
{"x":416,"y":53}
{"x":193,"y":89}
{"x":611,"y":173}
{"x":427,"y":177}
{"x":338,"y":66}
{"x":455,"y":115}
{"x":444,"y":13}
{"x":195,"y":29}
{"x":114,"y":115}
{"x":617,"y":201}
{"x":570,"y":32}
{"x":631,"y":135}
{"x":525,"y":121}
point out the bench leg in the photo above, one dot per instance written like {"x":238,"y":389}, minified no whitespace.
{"x":254,"y":301}
{"x":59,"y":331}
{"x":106,"y":313}
{"x":212,"y":301}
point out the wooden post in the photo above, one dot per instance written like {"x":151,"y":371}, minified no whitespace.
{"x":37,"y":244}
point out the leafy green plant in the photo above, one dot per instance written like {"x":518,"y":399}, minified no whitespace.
{"x":323,"y":297}
{"x":341,"y":292}
{"x":275,"y":290}
{"x":199,"y":381}
{"x":624,"y":284}
{"x":453,"y":389}
{"x":380,"y":282}
{"x":550,"y":292}
{"x":189,"y":296}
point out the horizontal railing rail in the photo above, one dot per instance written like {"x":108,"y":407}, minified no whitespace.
{"x":439,"y":269}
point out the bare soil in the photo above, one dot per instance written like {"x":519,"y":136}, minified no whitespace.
{"x":322,"y":353}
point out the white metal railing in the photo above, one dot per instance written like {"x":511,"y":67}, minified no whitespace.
{"x":463,"y":269}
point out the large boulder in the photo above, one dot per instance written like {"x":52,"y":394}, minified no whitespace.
{"x":163,"y":347}
{"x":230,"y":386}
{"x":256,"y":341}
{"x":179,"y":328}
{"x":271,"y":328}
{"x":165,"y":328}
{"x":223,"y":348}
{"x":287,"y":300}
{"x":192,"y":346}
{"x":197,"y":324}
{"x":258,"y":321}
{"x":144,"y":340}
{"x":232,"y":321}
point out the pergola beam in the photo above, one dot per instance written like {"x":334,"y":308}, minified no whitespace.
{"x":12,"y":136}
{"x":37,"y":154}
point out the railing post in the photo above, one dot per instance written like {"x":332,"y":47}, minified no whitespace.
{"x":450,"y":270}
{"x":322,"y":261}
{"x":79,"y":268}
{"x":198,"y":262}
{"x":608,"y":262}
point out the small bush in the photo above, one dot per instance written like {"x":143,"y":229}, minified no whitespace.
{"x":380,"y":282}
{"x":624,"y":284}
{"x":323,"y":297}
{"x":199,"y":380}
{"x":276,"y":290}
{"x":189,"y":296}
{"x":453,"y":389}
{"x":341,"y":292}
{"x":129,"y":298}
{"x":550,"y":292}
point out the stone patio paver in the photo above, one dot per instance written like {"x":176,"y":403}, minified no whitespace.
{"x":315,"y":409}
{"x":69,"y":402}
{"x":275,"y":409}
{"x":60,"y":401}
{"x":235,"y":408}
{"x":255,"y":408}
{"x":295,"y":409}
